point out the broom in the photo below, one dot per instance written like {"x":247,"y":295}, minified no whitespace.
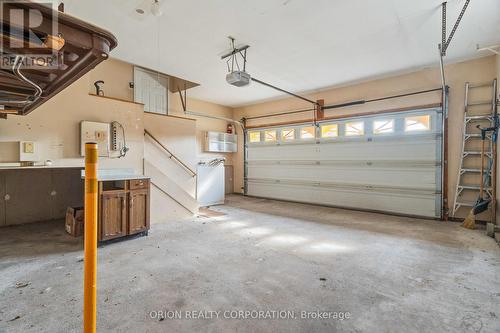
{"x":482,"y":203}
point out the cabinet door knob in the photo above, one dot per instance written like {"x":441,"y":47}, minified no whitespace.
{"x":7,"y":197}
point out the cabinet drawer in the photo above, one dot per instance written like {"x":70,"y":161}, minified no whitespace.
{"x":139,"y":183}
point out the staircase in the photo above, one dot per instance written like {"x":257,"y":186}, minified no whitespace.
{"x":169,"y":174}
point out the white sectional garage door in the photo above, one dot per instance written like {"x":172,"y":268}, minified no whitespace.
{"x":388,"y":162}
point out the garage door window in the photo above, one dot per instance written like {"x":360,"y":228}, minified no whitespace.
{"x":418,"y":123}
{"x":330,"y":131}
{"x":254,"y":136}
{"x":307,"y":132}
{"x":269,"y":136}
{"x":287,"y":134}
{"x":355,"y":128}
{"x":383,"y":126}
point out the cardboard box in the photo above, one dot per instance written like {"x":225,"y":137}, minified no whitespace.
{"x":74,"y":221}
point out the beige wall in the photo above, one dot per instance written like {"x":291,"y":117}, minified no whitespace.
{"x":474,"y":71}
{"x":204,"y":124}
{"x":116,"y":75}
{"x":55,"y":126}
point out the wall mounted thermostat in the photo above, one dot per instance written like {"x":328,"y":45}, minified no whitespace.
{"x":91,"y":131}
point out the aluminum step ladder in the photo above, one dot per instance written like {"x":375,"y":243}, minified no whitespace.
{"x":479,"y":110}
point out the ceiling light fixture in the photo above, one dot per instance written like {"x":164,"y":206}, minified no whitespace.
{"x":155,"y":8}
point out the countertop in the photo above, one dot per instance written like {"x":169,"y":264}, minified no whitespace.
{"x":15,"y":167}
{"x":108,"y":175}
{"x":109,"y":178}
{"x":103,"y":175}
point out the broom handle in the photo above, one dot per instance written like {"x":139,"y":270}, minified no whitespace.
{"x":482,"y":169}
{"x":493,"y":174}
{"x":494,"y":183}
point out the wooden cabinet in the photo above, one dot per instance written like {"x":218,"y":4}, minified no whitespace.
{"x":138,"y":220}
{"x":138,"y":184}
{"x":124,"y":208}
{"x":113,"y":217}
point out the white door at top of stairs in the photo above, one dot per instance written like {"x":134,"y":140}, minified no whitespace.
{"x":388,"y":162}
{"x":151,"y":89}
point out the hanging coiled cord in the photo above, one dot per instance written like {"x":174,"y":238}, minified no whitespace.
{"x":16,"y":69}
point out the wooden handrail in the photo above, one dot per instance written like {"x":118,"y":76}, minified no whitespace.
{"x":172,"y":156}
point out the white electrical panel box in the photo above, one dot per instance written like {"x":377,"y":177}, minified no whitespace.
{"x":95,"y":132}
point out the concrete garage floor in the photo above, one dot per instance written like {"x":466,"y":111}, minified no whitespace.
{"x":391,"y":274}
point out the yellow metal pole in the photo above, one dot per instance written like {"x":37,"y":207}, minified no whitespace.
{"x":90,"y":235}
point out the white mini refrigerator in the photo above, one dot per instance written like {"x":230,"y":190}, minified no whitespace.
{"x":210,"y":183}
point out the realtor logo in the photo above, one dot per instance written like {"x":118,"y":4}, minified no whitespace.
{"x":29,"y":35}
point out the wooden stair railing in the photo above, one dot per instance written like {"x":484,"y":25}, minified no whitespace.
{"x":172,"y":156}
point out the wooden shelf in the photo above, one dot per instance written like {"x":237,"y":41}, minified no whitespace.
{"x":116,"y":99}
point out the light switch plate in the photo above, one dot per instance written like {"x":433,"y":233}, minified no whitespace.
{"x":28,"y":147}
{"x":28,"y":151}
